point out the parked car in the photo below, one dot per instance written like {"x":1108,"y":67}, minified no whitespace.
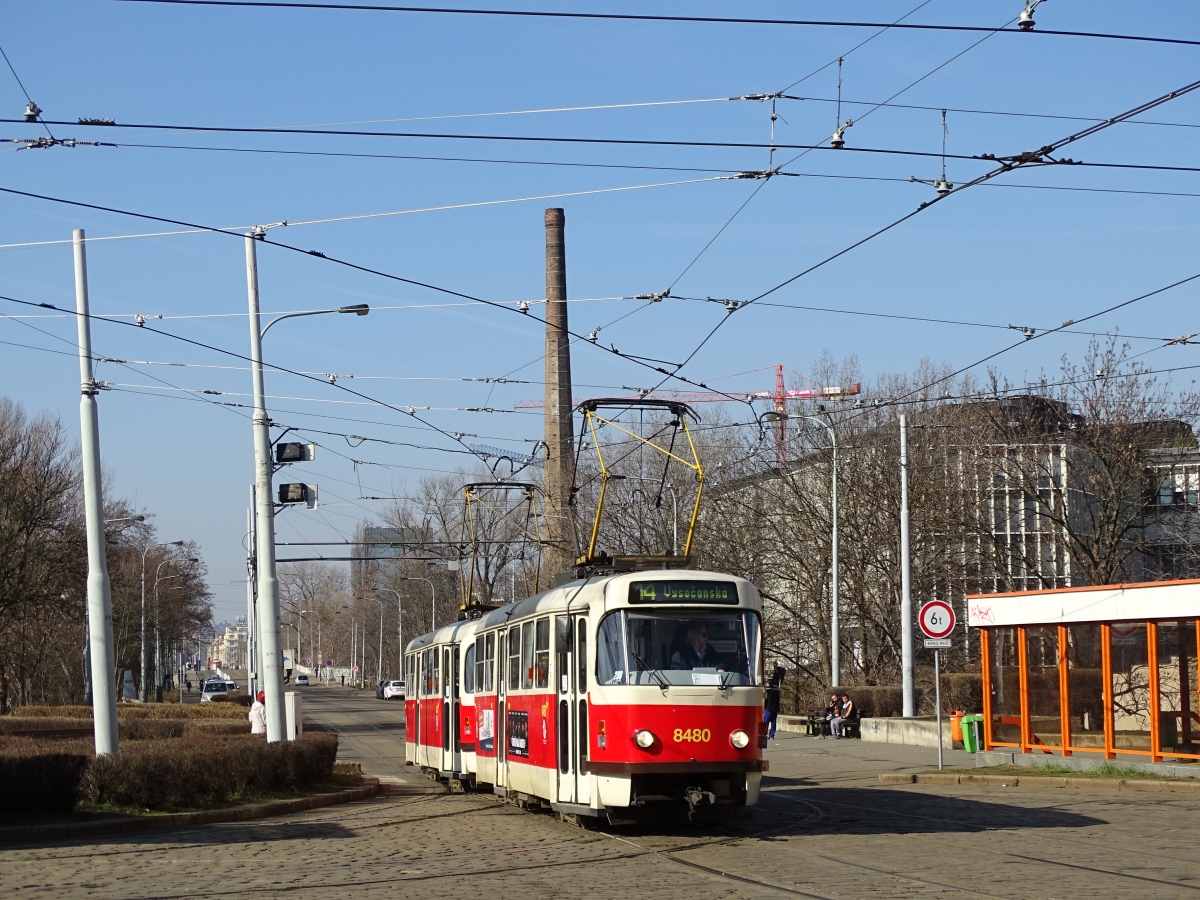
{"x":393,"y":690}
{"x":302,"y":680}
{"x":379,"y":689}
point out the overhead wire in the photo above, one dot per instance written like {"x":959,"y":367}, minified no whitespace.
{"x":32,"y":106}
{"x":262,"y":238}
{"x":1043,"y":156}
{"x":647,"y":17}
{"x":770,"y":162}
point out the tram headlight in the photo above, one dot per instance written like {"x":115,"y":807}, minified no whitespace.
{"x":739,"y":739}
{"x":644,"y":738}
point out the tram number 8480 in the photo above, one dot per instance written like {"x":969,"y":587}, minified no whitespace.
{"x":692,"y":735}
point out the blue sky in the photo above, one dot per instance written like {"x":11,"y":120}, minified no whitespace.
{"x":994,"y":254}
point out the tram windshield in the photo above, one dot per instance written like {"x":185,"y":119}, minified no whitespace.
{"x":700,"y":647}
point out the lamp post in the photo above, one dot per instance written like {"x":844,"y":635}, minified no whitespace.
{"x":835,"y":637}
{"x":158,"y":681}
{"x":399,"y":626}
{"x":268,"y":584}
{"x":143,"y":694}
{"x":432,"y":598}
{"x":379,"y":665}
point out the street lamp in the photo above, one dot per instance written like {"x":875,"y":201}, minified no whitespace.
{"x":158,"y":681}
{"x":268,"y":585}
{"x":835,"y":638}
{"x":432,"y":598}
{"x":300,"y":613}
{"x":399,"y":626}
{"x":379,"y":665}
{"x":142,"y":690}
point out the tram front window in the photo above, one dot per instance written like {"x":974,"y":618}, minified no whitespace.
{"x":678,"y":648}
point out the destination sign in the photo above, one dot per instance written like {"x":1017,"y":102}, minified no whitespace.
{"x":690,"y":591}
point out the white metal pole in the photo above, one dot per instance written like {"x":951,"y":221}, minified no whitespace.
{"x":100,"y":624}
{"x":906,"y":629}
{"x":835,"y":627}
{"x":937,"y":699}
{"x":142,"y":693}
{"x":251,"y":627}
{"x":379,"y":669}
{"x":268,"y":586}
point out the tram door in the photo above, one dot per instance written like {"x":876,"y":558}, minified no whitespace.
{"x":579,"y":714}
{"x":449,"y":754}
{"x":564,"y":705}
{"x":501,"y":715}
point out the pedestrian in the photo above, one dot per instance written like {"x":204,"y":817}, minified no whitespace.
{"x":846,"y":714}
{"x":343,"y":681}
{"x":771,"y":703}
{"x":187,"y":682}
{"x":833,"y":709}
{"x":258,"y":714}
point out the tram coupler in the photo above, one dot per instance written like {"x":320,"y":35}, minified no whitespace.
{"x":696,"y":798}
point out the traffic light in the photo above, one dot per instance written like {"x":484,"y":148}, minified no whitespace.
{"x":290,"y":494}
{"x":295,"y":452}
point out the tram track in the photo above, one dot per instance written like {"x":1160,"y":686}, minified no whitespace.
{"x":970,"y":827}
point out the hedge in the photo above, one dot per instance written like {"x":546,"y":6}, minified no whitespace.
{"x":143,"y":711}
{"x":39,"y":776}
{"x":194,"y":771}
{"x":129,"y":729}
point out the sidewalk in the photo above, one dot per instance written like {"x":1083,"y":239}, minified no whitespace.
{"x":850,"y":761}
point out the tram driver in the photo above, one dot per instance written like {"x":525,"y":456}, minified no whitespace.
{"x":696,"y":652}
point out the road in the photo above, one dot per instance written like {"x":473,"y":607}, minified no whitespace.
{"x":825,"y":828}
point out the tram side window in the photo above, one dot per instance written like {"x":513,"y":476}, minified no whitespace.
{"x":541,"y":657}
{"x":435,"y":680}
{"x":582,"y":629}
{"x":514,"y":659}
{"x":478,"y":657}
{"x":469,"y":671}
{"x":527,"y":656}
{"x":489,"y":656}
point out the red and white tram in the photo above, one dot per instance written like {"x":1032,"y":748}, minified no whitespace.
{"x":626,"y":697}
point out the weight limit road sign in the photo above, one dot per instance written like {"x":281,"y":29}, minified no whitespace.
{"x":937,"y":619}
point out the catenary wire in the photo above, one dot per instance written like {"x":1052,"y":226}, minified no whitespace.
{"x":646,"y":17}
{"x":1040,"y":157}
{"x":639,"y":361}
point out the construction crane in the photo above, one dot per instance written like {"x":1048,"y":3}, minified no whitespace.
{"x":780,"y":396}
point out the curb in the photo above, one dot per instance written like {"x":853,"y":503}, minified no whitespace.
{"x":22,"y":835}
{"x":1045,"y":781}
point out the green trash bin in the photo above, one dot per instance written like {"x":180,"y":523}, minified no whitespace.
{"x":972,"y":730}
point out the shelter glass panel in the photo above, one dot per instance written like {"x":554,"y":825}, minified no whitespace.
{"x":1005,"y":686}
{"x":1178,"y":718}
{"x":1130,"y":688}
{"x":1085,"y":685}
{"x":1045,"y":715}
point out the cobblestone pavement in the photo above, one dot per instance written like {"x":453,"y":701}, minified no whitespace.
{"x":825,"y":828}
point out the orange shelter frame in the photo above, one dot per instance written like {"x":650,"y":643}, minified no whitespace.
{"x":1028,"y":742}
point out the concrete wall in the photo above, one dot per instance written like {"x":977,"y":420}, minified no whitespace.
{"x":915,"y":732}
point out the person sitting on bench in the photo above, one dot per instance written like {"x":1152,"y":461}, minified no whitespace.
{"x":847,"y":714}
{"x":833,"y":709}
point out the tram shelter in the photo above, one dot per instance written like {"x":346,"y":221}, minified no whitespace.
{"x":1108,"y":669}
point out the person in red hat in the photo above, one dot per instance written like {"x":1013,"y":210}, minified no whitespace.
{"x":258,"y":714}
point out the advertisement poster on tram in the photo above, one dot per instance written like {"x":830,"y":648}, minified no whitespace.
{"x":518,"y":733}
{"x":487,"y":730}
